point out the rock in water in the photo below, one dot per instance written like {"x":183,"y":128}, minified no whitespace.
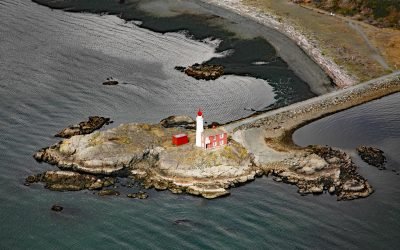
{"x":202,"y":71}
{"x":110,"y":82}
{"x":108,"y":192}
{"x":182,"y":121}
{"x":70,"y":181}
{"x":57,"y":208}
{"x":180,"y":68}
{"x":372,"y":156}
{"x":138,"y":195}
{"x":31,"y":179}
{"x":86,"y":127}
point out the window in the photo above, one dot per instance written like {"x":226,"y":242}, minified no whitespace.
{"x":221,"y":136}
{"x":214,"y":144}
{"x":221,"y":142}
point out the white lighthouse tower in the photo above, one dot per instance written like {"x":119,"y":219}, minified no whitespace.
{"x":199,"y":127}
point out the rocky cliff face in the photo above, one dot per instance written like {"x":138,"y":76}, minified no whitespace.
{"x":381,"y":13}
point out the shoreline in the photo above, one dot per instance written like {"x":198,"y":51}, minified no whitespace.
{"x":260,"y":145}
{"x":339,"y":76}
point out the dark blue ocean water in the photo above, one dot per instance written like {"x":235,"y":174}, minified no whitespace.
{"x":52,"y":64}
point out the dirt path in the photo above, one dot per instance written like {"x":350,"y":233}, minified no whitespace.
{"x":356,"y":26}
{"x":375,"y":52}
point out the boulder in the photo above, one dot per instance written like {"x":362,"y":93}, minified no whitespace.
{"x":57,"y":208}
{"x":108,"y":192}
{"x":183,"y":121}
{"x":180,"y":68}
{"x":110,"y":81}
{"x":85,"y":127}
{"x":138,"y":195}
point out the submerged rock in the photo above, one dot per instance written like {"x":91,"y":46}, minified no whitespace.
{"x":138,"y":195}
{"x":202,"y":71}
{"x":108,"y":192}
{"x":373,"y":156}
{"x":57,"y":208}
{"x":183,"y":121}
{"x":31,"y":179}
{"x":86,"y":127}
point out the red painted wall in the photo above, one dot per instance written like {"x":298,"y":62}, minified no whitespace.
{"x":216,"y":140}
{"x":180,"y":140}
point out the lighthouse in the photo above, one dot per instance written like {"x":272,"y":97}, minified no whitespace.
{"x":199,"y":127}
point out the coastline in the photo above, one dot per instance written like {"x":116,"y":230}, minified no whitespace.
{"x":264,"y":146}
{"x":339,"y":76}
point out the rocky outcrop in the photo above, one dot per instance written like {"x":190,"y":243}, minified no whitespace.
{"x":183,"y":121}
{"x":110,"y":81}
{"x":372,"y":156}
{"x":86,"y":127}
{"x":202,"y":71}
{"x":145,"y":152}
{"x":319,"y":169}
{"x":268,"y":137}
{"x":70,"y":181}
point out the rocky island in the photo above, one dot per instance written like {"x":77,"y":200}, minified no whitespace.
{"x":144,"y":152}
{"x":202,"y":71}
{"x":258,"y":145}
